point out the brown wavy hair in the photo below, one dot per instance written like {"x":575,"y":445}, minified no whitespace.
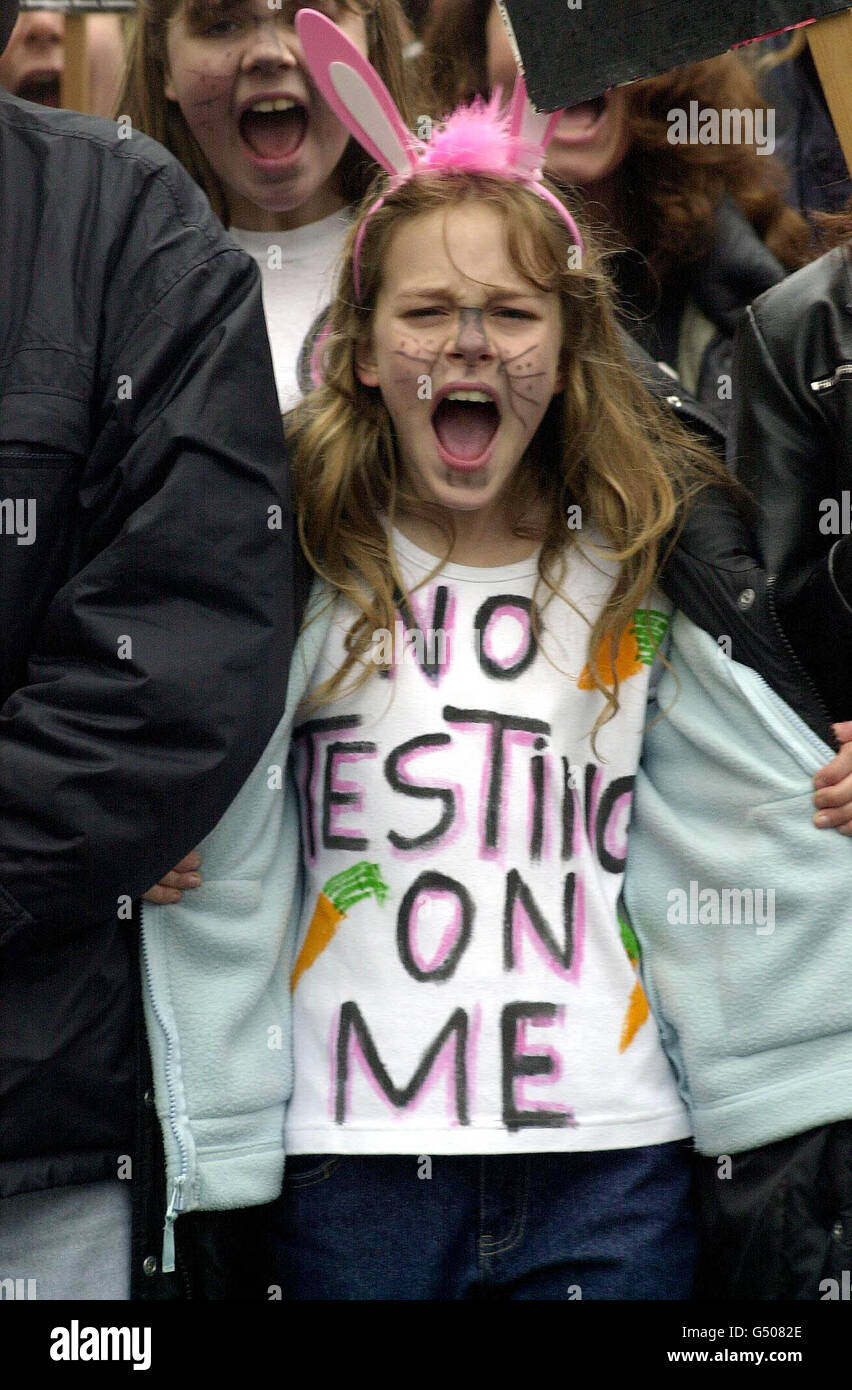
{"x":670,"y":192}
{"x":834,"y":228}
{"x":603,"y":444}
{"x":143,"y":96}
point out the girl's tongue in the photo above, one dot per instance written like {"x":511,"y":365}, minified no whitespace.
{"x":466,"y":428}
{"x":274,"y":134}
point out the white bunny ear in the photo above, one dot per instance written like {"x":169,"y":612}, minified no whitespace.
{"x":526,"y":124}
{"x":355,"y":92}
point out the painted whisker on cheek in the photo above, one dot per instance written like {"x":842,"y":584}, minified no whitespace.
{"x":220,"y":75}
{"x":216,"y":93}
{"x":513,"y":392}
{"x":516,"y":357}
{"x":512,"y":377}
{"x":205,"y":103}
{"x":411,"y":357}
{"x":422,"y":361}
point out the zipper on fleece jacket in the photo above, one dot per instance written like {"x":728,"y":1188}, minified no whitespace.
{"x":791,"y":717}
{"x":177,"y":1200}
{"x":793,"y":654}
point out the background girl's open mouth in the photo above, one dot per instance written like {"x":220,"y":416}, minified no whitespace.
{"x":274,"y":129}
{"x":578,"y":122}
{"x":465,"y":423}
{"x":40,"y":87}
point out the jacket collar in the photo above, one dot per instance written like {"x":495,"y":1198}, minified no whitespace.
{"x":735,"y":271}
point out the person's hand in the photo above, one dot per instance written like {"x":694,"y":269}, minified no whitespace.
{"x":184,"y":875}
{"x":833,"y":785}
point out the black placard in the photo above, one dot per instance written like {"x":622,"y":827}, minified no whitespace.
{"x":572,"y":51}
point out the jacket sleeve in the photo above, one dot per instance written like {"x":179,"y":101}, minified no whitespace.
{"x":160,"y":670}
{"x":787,"y":453}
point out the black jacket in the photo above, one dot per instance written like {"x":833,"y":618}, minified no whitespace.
{"x":730,"y":569}
{"x":722,"y":283}
{"x":146,"y":600}
{"x":791,"y":444}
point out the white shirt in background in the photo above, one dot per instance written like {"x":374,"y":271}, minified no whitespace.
{"x":298,"y":272}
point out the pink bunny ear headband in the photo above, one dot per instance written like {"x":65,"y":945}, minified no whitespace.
{"x":476,"y":139}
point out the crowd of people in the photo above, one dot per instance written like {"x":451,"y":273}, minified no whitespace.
{"x":426,"y":527}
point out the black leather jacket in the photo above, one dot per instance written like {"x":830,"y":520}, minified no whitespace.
{"x":146,"y":601}
{"x":717,"y":574}
{"x":791,"y":444}
{"x":722,"y":283}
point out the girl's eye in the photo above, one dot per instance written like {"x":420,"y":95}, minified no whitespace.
{"x":220,"y":28}
{"x":514,"y":314}
{"x":424,"y":313}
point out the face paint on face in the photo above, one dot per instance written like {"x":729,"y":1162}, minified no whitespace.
{"x":471,"y":339}
{"x":465,"y":352}
{"x":235,"y":68}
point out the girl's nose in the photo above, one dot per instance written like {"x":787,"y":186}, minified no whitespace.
{"x":271,"y":44}
{"x":43,"y":28}
{"x":471,"y":341}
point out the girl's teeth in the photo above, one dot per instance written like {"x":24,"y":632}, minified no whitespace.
{"x":479,"y":396}
{"x":280,"y":105}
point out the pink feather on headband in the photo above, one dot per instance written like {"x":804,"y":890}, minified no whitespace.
{"x":478,"y":139}
{"x":474,"y":139}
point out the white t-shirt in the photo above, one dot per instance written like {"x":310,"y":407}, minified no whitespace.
{"x":462,"y":985}
{"x":297,"y":271}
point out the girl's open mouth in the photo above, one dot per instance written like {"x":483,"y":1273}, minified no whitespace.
{"x":41,"y":88}
{"x":465,"y":424}
{"x":274,"y":129}
{"x":579,"y":122}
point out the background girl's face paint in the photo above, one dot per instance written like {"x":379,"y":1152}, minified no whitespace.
{"x":455,"y":317}
{"x":278,"y":163}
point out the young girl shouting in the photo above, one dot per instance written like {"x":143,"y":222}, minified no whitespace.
{"x":484,"y":489}
{"x":222,"y":84}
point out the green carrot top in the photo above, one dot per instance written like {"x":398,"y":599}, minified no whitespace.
{"x":362,"y":880}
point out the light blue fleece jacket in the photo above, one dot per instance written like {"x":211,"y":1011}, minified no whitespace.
{"x":756,"y":1017}
{"x":216,"y":984}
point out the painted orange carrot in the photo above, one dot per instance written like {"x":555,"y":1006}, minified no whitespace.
{"x":342,"y":891}
{"x":637,"y":648}
{"x":637,"y":1014}
{"x":637,"y":1008}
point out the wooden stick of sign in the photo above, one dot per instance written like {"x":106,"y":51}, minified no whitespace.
{"x":74,"y":84}
{"x":830,"y":43}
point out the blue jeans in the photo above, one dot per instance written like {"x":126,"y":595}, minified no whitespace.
{"x":615,"y":1223}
